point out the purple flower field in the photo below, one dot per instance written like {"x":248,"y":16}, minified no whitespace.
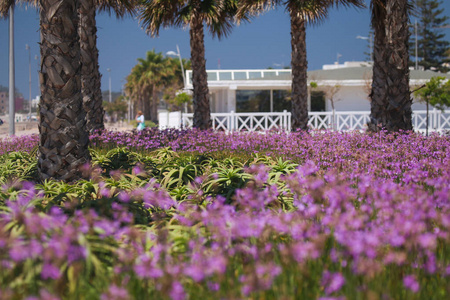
{"x":356,"y":216}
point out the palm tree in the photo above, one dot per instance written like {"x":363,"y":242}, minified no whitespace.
{"x":301,"y":12}
{"x":147,"y":79}
{"x":216,"y":14}
{"x":378,"y":94}
{"x":391,"y":98}
{"x":63,"y":142}
{"x":90,"y":74}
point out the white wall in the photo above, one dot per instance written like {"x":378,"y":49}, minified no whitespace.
{"x":168,"y":119}
{"x":350,"y":98}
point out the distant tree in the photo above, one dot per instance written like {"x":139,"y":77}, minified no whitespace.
{"x":436,"y":93}
{"x":330,"y":94}
{"x":432,"y":45}
{"x":175,"y":86}
{"x":114,"y":96}
{"x":153,"y":77}
{"x":117,"y":109}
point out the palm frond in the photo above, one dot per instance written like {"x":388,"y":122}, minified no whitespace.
{"x":378,"y":9}
{"x":155,"y":14}
{"x":120,"y":8}
{"x":252,"y":8}
{"x":5,"y":5}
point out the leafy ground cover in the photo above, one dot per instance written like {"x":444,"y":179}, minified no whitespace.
{"x":203,"y":215}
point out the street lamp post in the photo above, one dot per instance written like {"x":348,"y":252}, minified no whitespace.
{"x":12,"y":83}
{"x":337,"y":58}
{"x":370,"y":39}
{"x":182,"y":70}
{"x":416,"y":48}
{"x":109,"y":73}
{"x":29,"y":79}
{"x":181,"y":63}
{"x":38,"y":67}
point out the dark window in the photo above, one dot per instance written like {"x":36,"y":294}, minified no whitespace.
{"x":317,"y":101}
{"x":281,"y":100}
{"x":259,"y":100}
{"x":252,"y":101}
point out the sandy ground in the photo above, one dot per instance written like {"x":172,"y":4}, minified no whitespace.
{"x":22,"y":130}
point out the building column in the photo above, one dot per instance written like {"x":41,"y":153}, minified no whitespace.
{"x":231,"y":97}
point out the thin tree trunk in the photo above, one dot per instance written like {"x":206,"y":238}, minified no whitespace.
{"x":334,"y":114}
{"x":299,"y":72}
{"x":397,"y":58}
{"x":63,"y":143}
{"x":90,"y":75}
{"x":154,"y":108}
{"x":12,"y":75}
{"x":428,"y":115}
{"x":378,"y":94}
{"x":202,"y":115}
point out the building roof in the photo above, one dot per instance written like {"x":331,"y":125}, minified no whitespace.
{"x":365,"y":72}
{"x":345,"y":75}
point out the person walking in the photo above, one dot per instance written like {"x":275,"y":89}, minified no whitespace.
{"x":140,"y":120}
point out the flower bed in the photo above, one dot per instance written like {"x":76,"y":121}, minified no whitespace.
{"x":350,"y":216}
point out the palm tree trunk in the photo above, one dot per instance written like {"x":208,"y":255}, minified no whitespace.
{"x":90,"y":75}
{"x":63,"y":143}
{"x":148,"y":104}
{"x":397,"y":58}
{"x":378,"y":94}
{"x":202,"y":115}
{"x":299,"y":72}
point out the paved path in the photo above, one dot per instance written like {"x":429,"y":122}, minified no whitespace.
{"x":21,"y":131}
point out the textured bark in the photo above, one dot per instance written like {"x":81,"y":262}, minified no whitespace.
{"x":299,"y":72}
{"x":202,"y":114}
{"x":397,"y":58}
{"x":146,"y":105}
{"x":90,"y":74}
{"x":391,"y":98}
{"x":378,"y":95}
{"x":63,"y":143}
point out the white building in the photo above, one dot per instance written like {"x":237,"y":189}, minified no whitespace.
{"x":35,"y":102}
{"x":253,"y":100}
{"x":268,"y":90}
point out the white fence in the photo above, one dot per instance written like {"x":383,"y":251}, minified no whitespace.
{"x":343,"y":121}
{"x":170,"y":119}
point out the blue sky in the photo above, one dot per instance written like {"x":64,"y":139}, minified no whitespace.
{"x":265,"y":42}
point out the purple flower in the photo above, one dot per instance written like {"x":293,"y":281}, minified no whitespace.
{"x":411,"y":283}
{"x":115,"y":293}
{"x":49,"y":271}
{"x":19,"y":252}
{"x":332,"y":282}
{"x":427,"y":241}
{"x":177,"y":291}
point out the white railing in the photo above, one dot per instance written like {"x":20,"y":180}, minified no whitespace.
{"x":232,"y":75}
{"x":343,"y":121}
